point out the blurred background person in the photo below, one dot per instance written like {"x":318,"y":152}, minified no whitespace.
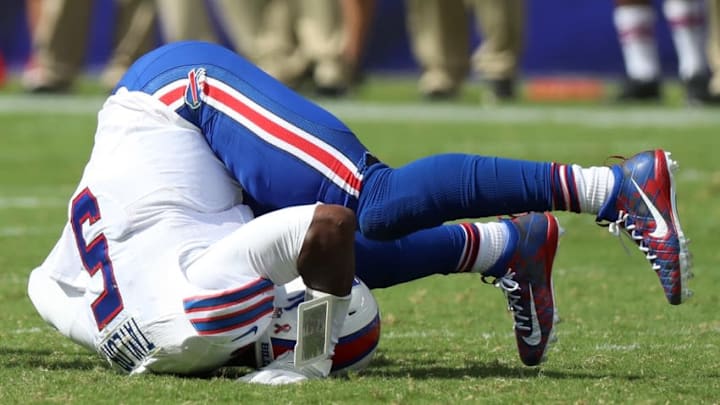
{"x":635,"y":24}
{"x":713,"y":48}
{"x":242,"y":22}
{"x":60,"y":35}
{"x":10,"y":25}
{"x":185,"y":20}
{"x":293,"y":41}
{"x":269,"y":40}
{"x":302,"y":40}
{"x":439,"y":36}
{"x":320,"y":41}
{"x":357,"y":21}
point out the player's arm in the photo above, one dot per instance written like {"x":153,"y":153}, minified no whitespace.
{"x":326,"y":263}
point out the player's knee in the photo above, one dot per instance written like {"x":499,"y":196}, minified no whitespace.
{"x":377,"y":225}
{"x":378,"y":205}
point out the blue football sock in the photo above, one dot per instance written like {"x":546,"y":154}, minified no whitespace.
{"x":435,"y":189}
{"x":381,"y":264}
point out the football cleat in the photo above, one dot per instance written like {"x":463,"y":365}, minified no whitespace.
{"x":643,"y":204}
{"x":638,"y":90}
{"x":527,"y":284}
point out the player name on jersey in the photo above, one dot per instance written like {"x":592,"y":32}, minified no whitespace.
{"x":126,"y":346}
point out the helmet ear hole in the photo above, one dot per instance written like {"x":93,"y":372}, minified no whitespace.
{"x":360,"y":334}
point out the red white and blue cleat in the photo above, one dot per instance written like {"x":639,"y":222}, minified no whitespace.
{"x":643,"y":203}
{"x":527,"y":283}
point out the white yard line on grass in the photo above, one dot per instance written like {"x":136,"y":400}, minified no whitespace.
{"x":595,"y":116}
{"x":28,"y":331}
{"x":618,"y":348}
{"x":15,"y":231}
{"x":419,"y":334}
{"x":30,"y":202}
{"x":49,"y":104}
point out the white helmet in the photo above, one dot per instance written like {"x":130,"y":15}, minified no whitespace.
{"x":359,"y":336}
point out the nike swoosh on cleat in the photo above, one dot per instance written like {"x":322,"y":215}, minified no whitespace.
{"x":661,"y":227}
{"x":535,"y":336}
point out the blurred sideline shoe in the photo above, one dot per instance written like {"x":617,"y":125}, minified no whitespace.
{"x":36,"y":79}
{"x":527,"y":283}
{"x":331,"y":77}
{"x":697,"y":91}
{"x":643,"y":204}
{"x":501,"y":90}
{"x":111,"y":76}
{"x":438,"y":85}
{"x":638,"y":90}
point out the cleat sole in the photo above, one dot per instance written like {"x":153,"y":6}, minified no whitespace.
{"x":685,"y":260}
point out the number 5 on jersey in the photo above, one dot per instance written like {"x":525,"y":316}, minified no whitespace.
{"x":95,"y":256}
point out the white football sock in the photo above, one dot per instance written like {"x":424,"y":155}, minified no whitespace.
{"x":594,"y":186}
{"x":636,"y":30}
{"x":493,"y":238}
{"x":686,"y":19}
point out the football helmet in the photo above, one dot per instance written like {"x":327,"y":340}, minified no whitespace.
{"x":359,"y":336}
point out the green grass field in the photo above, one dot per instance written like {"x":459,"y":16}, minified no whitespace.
{"x":444,"y":339}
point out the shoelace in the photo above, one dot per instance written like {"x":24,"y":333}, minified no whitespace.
{"x":509,"y":286}
{"x":622,"y":223}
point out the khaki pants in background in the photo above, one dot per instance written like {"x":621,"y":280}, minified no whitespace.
{"x":713,"y":45}
{"x":61,"y":36}
{"x":439,"y":36}
{"x":288,"y":38}
{"x":182,"y":20}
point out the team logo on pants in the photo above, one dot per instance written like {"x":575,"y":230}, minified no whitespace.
{"x":195,"y":88}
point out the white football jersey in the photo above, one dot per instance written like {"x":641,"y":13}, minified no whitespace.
{"x":161,"y":269}
{"x":151,"y":199}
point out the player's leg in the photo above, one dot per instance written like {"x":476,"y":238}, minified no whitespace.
{"x":516,"y":254}
{"x":435,"y":189}
{"x":502,"y":23}
{"x":468,"y":247}
{"x":439,"y":38}
{"x":319,"y":30}
{"x":135,"y":35}
{"x":713,"y":46}
{"x":185,"y":19}
{"x":687,"y":25}
{"x":59,"y":45}
{"x":283,"y":149}
{"x":635,"y":195}
{"x":635,"y":24}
